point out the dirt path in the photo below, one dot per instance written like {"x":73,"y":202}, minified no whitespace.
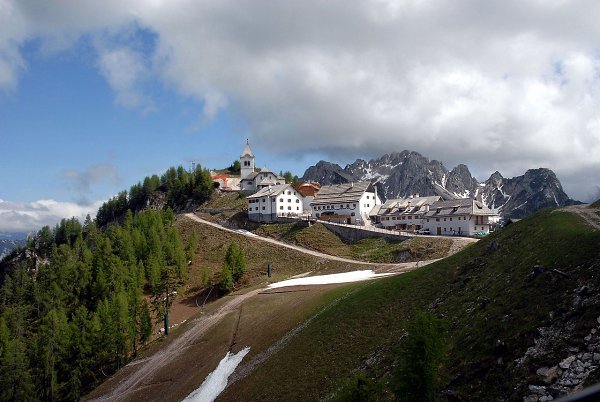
{"x":456,"y":245}
{"x":589,"y":215}
{"x":141,"y":373}
{"x":147,"y":367}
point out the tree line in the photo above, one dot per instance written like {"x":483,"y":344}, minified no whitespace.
{"x":179,"y":185}
{"x":84,"y":305}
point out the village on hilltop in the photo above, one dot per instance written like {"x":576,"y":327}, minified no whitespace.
{"x":271,"y":199}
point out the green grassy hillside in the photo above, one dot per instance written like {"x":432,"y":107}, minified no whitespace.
{"x":535,"y":281}
{"x":374,"y":249}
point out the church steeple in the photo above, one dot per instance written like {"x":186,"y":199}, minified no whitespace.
{"x":246,"y":161}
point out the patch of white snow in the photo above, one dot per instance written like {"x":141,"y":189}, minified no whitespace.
{"x":216,"y":381}
{"x":345,"y":277}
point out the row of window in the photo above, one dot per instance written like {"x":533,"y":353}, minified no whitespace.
{"x":464,"y":218}
{"x":254,"y":201}
{"x":397,"y":218}
{"x":281,"y":208}
{"x":340,"y":206}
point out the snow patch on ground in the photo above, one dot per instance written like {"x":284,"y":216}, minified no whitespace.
{"x":345,"y":277}
{"x":216,"y":381}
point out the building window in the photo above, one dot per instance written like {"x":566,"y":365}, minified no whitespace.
{"x":437,"y":219}
{"x":297,"y":201}
{"x":263,"y":200}
{"x":354,"y":205}
{"x":297,"y":208}
{"x":281,"y":200}
{"x":444,"y":219}
{"x":263,"y":208}
{"x":281,"y":207}
{"x":289,"y":208}
{"x":289,"y":200}
{"x":273,"y":199}
{"x":289,"y":192}
{"x":450,"y":221}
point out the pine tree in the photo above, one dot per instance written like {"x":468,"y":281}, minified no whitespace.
{"x":226,"y":282}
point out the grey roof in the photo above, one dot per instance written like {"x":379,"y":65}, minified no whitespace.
{"x":247,"y":151}
{"x":464,"y":206}
{"x":406,"y":205}
{"x":253,"y":175}
{"x":270,"y":191}
{"x":342,"y":193}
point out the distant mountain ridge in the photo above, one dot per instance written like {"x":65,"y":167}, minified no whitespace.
{"x":400,"y":174}
{"x":10,"y":241}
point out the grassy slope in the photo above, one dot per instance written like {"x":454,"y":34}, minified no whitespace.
{"x":375,"y":249}
{"x":595,"y":204}
{"x":213,"y":243}
{"x":484,"y":293}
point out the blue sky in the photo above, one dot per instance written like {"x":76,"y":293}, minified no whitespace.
{"x":63,"y":120}
{"x":94,"y":96}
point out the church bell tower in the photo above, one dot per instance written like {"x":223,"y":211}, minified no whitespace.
{"x":246,"y":161}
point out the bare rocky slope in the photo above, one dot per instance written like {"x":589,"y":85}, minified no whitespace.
{"x":401,"y":174}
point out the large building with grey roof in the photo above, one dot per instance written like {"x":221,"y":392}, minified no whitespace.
{"x":403,"y":213}
{"x":463,"y":217}
{"x":345,"y":203}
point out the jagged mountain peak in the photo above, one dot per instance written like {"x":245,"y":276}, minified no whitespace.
{"x":400,"y":174}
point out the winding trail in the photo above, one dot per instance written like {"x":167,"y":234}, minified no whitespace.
{"x":148,"y":366}
{"x":385,"y":267}
{"x":138,"y":374}
{"x":589,"y":215}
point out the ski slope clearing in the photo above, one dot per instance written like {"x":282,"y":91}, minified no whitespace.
{"x":345,"y":277}
{"x":216,"y":381}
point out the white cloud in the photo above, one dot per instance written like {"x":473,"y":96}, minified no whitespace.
{"x":125,"y":71}
{"x":24,"y":217}
{"x":498,"y":85}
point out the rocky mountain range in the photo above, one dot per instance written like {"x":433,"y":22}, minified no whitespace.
{"x":406,"y":173}
{"x":10,"y":241}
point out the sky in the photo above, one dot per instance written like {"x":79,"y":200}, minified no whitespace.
{"x":95,"y":95}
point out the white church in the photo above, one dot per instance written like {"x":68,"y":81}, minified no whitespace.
{"x":252,"y":181}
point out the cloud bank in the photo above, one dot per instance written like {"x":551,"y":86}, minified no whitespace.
{"x":498,"y":85}
{"x":25,"y":217}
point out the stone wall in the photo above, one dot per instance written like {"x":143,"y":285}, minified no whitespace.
{"x":352,"y":233}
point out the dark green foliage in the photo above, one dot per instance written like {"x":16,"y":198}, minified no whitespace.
{"x":179,"y":185}
{"x":234,"y":267}
{"x":192,"y":245}
{"x":235,"y":166}
{"x":81,"y":315}
{"x":417,"y":376}
{"x":226,"y":282}
{"x":290,"y":178}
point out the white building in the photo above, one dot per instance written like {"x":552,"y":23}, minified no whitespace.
{"x":259,"y":180}
{"x":270,"y":202}
{"x":458,"y":217}
{"x":345,"y":203}
{"x":246,"y":162}
{"x":403,"y":213}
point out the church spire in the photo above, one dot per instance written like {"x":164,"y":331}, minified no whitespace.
{"x":246,"y":161}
